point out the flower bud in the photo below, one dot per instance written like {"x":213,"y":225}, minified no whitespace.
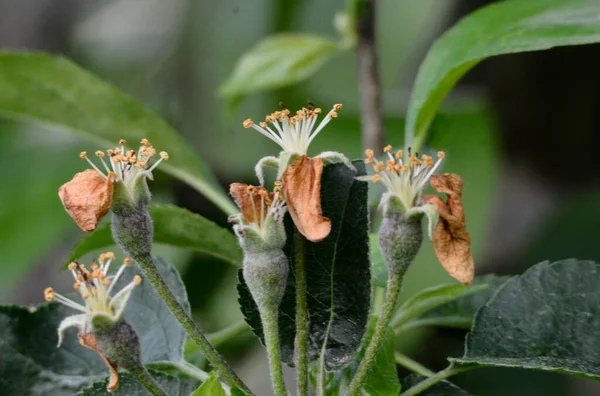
{"x":400,"y":234}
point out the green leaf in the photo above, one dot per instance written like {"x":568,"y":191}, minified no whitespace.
{"x":174,"y":226}
{"x":338,"y":277}
{"x":443,"y":388}
{"x":128,"y":386}
{"x":278,"y":61}
{"x":460,"y":312}
{"x":56,"y":93}
{"x":382,"y":378}
{"x":501,"y":28}
{"x":210,"y":387}
{"x":28,"y":339}
{"x":431,"y":298}
{"x":546,"y":319}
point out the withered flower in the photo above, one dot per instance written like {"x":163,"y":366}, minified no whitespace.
{"x":405,"y":177}
{"x":302,"y":187}
{"x":261,"y":216}
{"x":89,"y":196}
{"x":95,"y":286}
{"x":451,"y":240}
{"x":301,"y":174}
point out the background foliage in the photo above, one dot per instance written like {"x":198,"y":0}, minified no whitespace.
{"x":508,"y":129}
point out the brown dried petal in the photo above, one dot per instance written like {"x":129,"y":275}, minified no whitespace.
{"x":243,"y":199}
{"x":302,"y":190}
{"x":451,"y":240}
{"x":87,"y":198}
{"x":89,"y":341}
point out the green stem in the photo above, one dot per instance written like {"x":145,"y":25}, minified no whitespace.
{"x":189,"y":325}
{"x":232,"y":331}
{"x":143,"y":377}
{"x":269,"y":318}
{"x":434,"y":379}
{"x":301,"y":341}
{"x":393,"y":290}
{"x":412,"y":365}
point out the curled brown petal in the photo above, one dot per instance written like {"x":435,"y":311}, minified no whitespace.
{"x":87,"y":198}
{"x":248,"y":199}
{"x":302,"y":190}
{"x":89,"y":341}
{"x":451,"y":240}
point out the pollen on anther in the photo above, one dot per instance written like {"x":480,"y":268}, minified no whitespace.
{"x":122,"y":142}
{"x":82,"y":155}
{"x":376,"y":178}
{"x":144,"y":142}
{"x":248,"y":123}
{"x":49,"y":294}
{"x":399,"y":154}
{"x":333,"y":114}
{"x":337,"y":106}
{"x":441,"y":155}
{"x":127,"y":261}
{"x":100,"y":154}
{"x":369,"y":160}
{"x":164,"y":155}
{"x":388,"y":148}
{"x":85,"y":296}
{"x":72,"y":266}
{"x":369,"y":153}
{"x":378,"y":167}
{"x":137,"y":279}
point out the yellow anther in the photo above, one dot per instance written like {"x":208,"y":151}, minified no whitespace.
{"x":318,"y":110}
{"x":110,"y":152}
{"x":82,"y":155}
{"x":117,"y":151}
{"x":140,"y":164}
{"x":76,"y":285}
{"x":49,"y":294}
{"x":369,"y":153}
{"x":378,"y":167}
{"x":164,"y":155}
{"x":72,"y":266}
{"x":262,"y":124}
{"x":397,"y":167}
{"x":405,"y":168}
{"x":137,"y":279}
{"x":122,"y":142}
{"x":441,"y":155}
{"x":390,"y":165}
{"x":369,"y":160}
{"x":333,"y":114}
{"x":337,"y":107}
{"x":109,"y":255}
{"x":106,"y":282}
{"x":248,"y":123}
{"x":85,"y":296}
{"x":376,"y":178}
{"x":127,"y":261}
{"x":250,"y":189}
{"x":399,"y":154}
{"x":144,"y":142}
{"x":100,"y":154}
{"x":94,"y":267}
{"x":388,"y":148}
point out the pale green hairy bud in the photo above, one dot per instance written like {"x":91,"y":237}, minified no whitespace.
{"x":131,"y":223}
{"x":400,"y":234}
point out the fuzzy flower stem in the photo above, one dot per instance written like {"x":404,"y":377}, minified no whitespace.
{"x":393,"y":290}
{"x":220,"y":365}
{"x":301,"y":342}
{"x":434,"y":379}
{"x":269,"y":318}
{"x":142,"y":375}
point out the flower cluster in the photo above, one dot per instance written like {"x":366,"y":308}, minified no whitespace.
{"x":89,"y":196}
{"x":405,"y":176}
{"x":95,"y":287}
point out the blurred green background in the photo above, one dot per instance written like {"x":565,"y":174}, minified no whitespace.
{"x":520,"y":129}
